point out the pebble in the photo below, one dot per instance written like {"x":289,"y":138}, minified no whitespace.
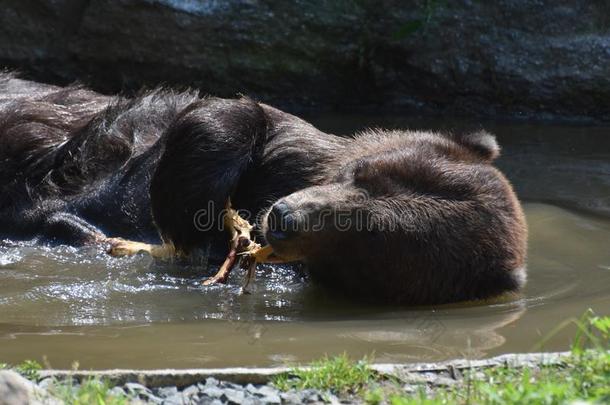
{"x":312,"y":395}
{"x":213,"y":392}
{"x":291,"y":397}
{"x":191,"y":391}
{"x":165,"y":392}
{"x":176,"y":399}
{"x":269,"y":395}
{"x":46,"y":383}
{"x":117,"y":391}
{"x":211,"y":381}
{"x":136,"y":389}
{"x":234,"y":396}
{"x":210,"y":391}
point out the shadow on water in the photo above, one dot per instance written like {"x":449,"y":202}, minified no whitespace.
{"x":79,"y":304}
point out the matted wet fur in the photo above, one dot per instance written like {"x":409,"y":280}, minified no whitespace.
{"x":429,"y":219}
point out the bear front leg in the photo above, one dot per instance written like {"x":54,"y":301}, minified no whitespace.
{"x":207,"y":150}
{"x":122,"y":247}
{"x":69,"y":229}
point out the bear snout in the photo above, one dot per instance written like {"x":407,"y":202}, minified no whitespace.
{"x":281,"y":222}
{"x":282,"y":229}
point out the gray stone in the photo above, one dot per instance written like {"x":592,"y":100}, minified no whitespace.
{"x":329,"y":398}
{"x":517,"y":57}
{"x":136,"y":389}
{"x":227,"y":384}
{"x":17,"y":390}
{"x":212,"y":392}
{"x":269,"y":394}
{"x":14,"y":389}
{"x":250,"y":400}
{"x":234,"y":396}
{"x":211,"y":381}
{"x":291,"y":397}
{"x":176,"y":399}
{"x":190,"y":391}
{"x":165,"y":392}
{"x":152,"y":399}
{"x":267,"y":390}
{"x":117,"y":391}
{"x":46,"y":383}
{"x":311,"y":396}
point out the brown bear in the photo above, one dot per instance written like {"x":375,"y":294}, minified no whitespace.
{"x":386,"y":216}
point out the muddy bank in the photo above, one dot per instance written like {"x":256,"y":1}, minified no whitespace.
{"x":542,"y":59}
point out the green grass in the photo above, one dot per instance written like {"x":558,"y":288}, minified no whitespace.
{"x":584,"y":376}
{"x":92,"y":391}
{"x":89,"y":392}
{"x":29,"y":368}
{"x":339,"y":375}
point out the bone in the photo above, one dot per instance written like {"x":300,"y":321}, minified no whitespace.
{"x":241,"y":244}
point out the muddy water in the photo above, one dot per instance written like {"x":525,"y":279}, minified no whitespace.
{"x":66,"y":305}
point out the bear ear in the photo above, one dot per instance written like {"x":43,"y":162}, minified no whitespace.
{"x":483,"y":144}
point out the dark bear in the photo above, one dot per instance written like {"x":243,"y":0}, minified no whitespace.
{"x":386,"y":216}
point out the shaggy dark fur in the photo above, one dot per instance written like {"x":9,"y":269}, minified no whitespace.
{"x":388,"y":216}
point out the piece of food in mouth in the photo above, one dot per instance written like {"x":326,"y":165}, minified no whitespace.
{"x":242,"y":247}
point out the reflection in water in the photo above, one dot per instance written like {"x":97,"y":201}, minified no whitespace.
{"x":79,"y":304}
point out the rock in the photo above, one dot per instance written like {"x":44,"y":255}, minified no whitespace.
{"x":190,"y":391}
{"x":515,"y":57}
{"x":252,"y":401}
{"x":311,"y":396}
{"x":176,"y":399}
{"x":234,"y":396}
{"x":136,"y":389}
{"x":264,"y":393}
{"x":46,"y":383}
{"x":212,"y":392}
{"x":117,"y":391}
{"x":165,"y":392}
{"x":16,"y":390}
{"x":140,"y":391}
{"x":291,"y":397}
{"x":269,"y":395}
{"x":211,"y":381}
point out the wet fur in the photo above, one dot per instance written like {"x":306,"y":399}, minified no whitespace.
{"x":76,"y":166}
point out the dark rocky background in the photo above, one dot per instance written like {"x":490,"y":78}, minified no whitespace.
{"x":545,"y":59}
